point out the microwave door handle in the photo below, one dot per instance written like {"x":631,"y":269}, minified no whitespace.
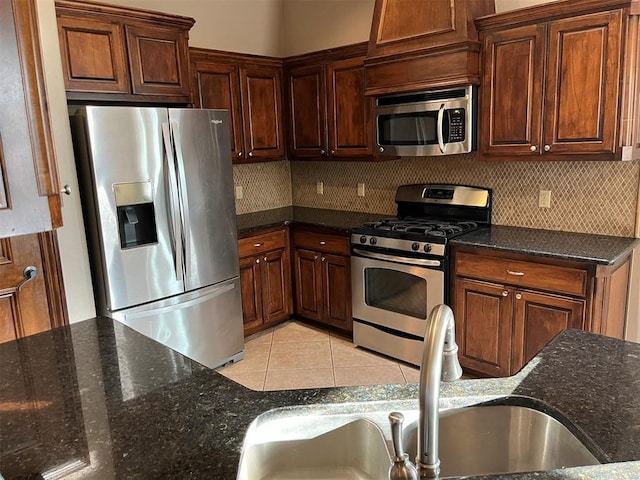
{"x":173,"y":202}
{"x":439,"y":131}
{"x":184,"y":202}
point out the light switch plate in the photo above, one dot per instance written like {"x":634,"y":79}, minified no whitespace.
{"x":239,"y":192}
{"x":361,"y":189}
{"x":544,"y":199}
{"x":320,"y":188}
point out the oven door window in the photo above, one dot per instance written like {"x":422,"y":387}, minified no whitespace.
{"x":396,"y":291}
{"x":417,"y":128}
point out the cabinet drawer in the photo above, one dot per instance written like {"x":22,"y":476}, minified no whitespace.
{"x":572,"y":281}
{"x":261,"y":243}
{"x":321,"y":242}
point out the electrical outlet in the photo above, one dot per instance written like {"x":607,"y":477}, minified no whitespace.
{"x":239,"y":192}
{"x":544,"y":199}
{"x":361,"y":189}
{"x":320,"y":188}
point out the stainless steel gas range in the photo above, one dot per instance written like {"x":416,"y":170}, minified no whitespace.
{"x":400,"y":265}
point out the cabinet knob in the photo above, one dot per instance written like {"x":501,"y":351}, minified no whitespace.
{"x":381,"y":149}
{"x":505,"y":293}
{"x":239,"y":154}
{"x":257,"y":260}
{"x":323,"y":259}
{"x":333,"y":152}
{"x":518,"y":296}
{"x":265,"y":259}
{"x":547,"y":148}
{"x":251,"y":154}
{"x":316,"y":257}
{"x":66,"y":190}
{"x":533,"y":148}
{"x":322,"y":152}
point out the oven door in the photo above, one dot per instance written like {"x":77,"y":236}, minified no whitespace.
{"x":395,"y":293}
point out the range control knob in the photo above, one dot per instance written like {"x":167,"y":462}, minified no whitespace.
{"x":427,"y":248}
{"x":363,"y":239}
{"x":373,"y":240}
{"x":415,"y":246}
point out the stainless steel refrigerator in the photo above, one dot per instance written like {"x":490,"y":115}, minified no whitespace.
{"x":157,"y":192}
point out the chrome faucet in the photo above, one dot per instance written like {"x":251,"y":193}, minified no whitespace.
{"x":439,"y":362}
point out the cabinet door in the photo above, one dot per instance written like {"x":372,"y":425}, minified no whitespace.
{"x":218,"y":86}
{"x":261,"y":91}
{"x":93,"y":55}
{"x":483,"y":314}
{"x":251,"y":289}
{"x":511,"y":96}
{"x":158,"y":60}
{"x":583,"y":80}
{"x":276,"y":285}
{"x":308,"y":274}
{"x":336,"y":289}
{"x":350,"y":122}
{"x":307,"y":111}
{"x":539,"y":317}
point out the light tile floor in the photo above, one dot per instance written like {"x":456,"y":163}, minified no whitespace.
{"x":296,"y":355}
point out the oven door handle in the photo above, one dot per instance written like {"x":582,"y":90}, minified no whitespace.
{"x":393,"y":258}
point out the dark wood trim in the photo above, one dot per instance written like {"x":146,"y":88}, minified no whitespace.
{"x":53,"y":278}
{"x":328,"y":55}
{"x":208,"y":55}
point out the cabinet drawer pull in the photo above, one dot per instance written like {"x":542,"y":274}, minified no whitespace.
{"x":322,"y":242}
{"x":505,"y":293}
{"x":257,"y":260}
{"x":517,"y":274}
{"x":547,"y":148}
{"x":518,"y":296}
{"x":265,"y":259}
{"x":239,"y":154}
{"x":316,"y":257}
{"x":533,"y":148}
{"x":258,"y":244}
{"x":323,"y":259}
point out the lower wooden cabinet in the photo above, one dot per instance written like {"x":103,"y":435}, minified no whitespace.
{"x":322,"y":271}
{"x":507,"y":308}
{"x":265,"y":278}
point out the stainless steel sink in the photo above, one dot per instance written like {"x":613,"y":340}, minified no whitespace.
{"x":352,"y":441}
{"x":502,"y":439}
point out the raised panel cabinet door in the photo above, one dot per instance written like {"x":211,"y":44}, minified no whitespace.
{"x":511,"y":96}
{"x":583,"y":80}
{"x":261,"y":92}
{"x":251,"y":290}
{"x":158,"y":60}
{"x":93,"y":55}
{"x":308,"y":273}
{"x":276,"y":285}
{"x":350,"y":120}
{"x":539,"y":317}
{"x":307,"y":117}
{"x":218,"y":86}
{"x":483,"y":314}
{"x":336,"y":286}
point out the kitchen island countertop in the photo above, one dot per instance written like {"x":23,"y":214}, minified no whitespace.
{"x":99,"y":398}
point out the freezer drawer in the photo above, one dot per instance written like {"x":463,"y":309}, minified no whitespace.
{"x":204,"y":325}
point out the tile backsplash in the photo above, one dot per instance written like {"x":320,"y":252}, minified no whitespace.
{"x":591,"y":197}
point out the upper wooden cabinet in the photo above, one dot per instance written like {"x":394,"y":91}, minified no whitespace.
{"x":29,"y":191}
{"x":250,"y":87}
{"x":419,"y":45}
{"x":559,"y":83}
{"x":328,"y":115}
{"x":123,"y":54}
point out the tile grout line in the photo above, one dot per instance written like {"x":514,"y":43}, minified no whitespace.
{"x":266,"y":370}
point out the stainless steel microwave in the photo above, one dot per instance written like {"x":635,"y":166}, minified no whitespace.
{"x":434,"y":122}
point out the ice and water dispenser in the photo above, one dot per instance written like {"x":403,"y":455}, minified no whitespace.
{"x":136,"y":214}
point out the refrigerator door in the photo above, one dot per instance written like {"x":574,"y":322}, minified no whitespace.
{"x":204,"y":325}
{"x":205,"y":179}
{"x":134,"y":234}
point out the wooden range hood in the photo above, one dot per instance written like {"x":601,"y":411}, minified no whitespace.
{"x":419,"y":44}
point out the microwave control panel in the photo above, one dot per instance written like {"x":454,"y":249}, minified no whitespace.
{"x":456,"y":125}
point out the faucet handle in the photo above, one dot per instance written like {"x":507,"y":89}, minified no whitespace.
{"x":402,"y":468}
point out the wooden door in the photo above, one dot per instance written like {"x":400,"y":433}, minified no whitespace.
{"x":93,"y":55}
{"x":308,"y":273}
{"x":251,"y":289}
{"x":276,"y":285}
{"x":336,"y":290}
{"x":158,"y":60}
{"x":307,"y":117}
{"x":349,"y":112}
{"x":218,"y":86}
{"x":511,"y":97}
{"x":483,"y":313}
{"x":583,"y":80}
{"x":261,"y":92}
{"x":27,"y":308}
{"x":538,"y":317}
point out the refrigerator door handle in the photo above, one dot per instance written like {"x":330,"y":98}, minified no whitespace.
{"x":182,"y":184}
{"x":173,"y":201}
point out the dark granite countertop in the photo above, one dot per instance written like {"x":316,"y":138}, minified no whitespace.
{"x":339,"y":220}
{"x":600,"y":249}
{"x":102,"y":399}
